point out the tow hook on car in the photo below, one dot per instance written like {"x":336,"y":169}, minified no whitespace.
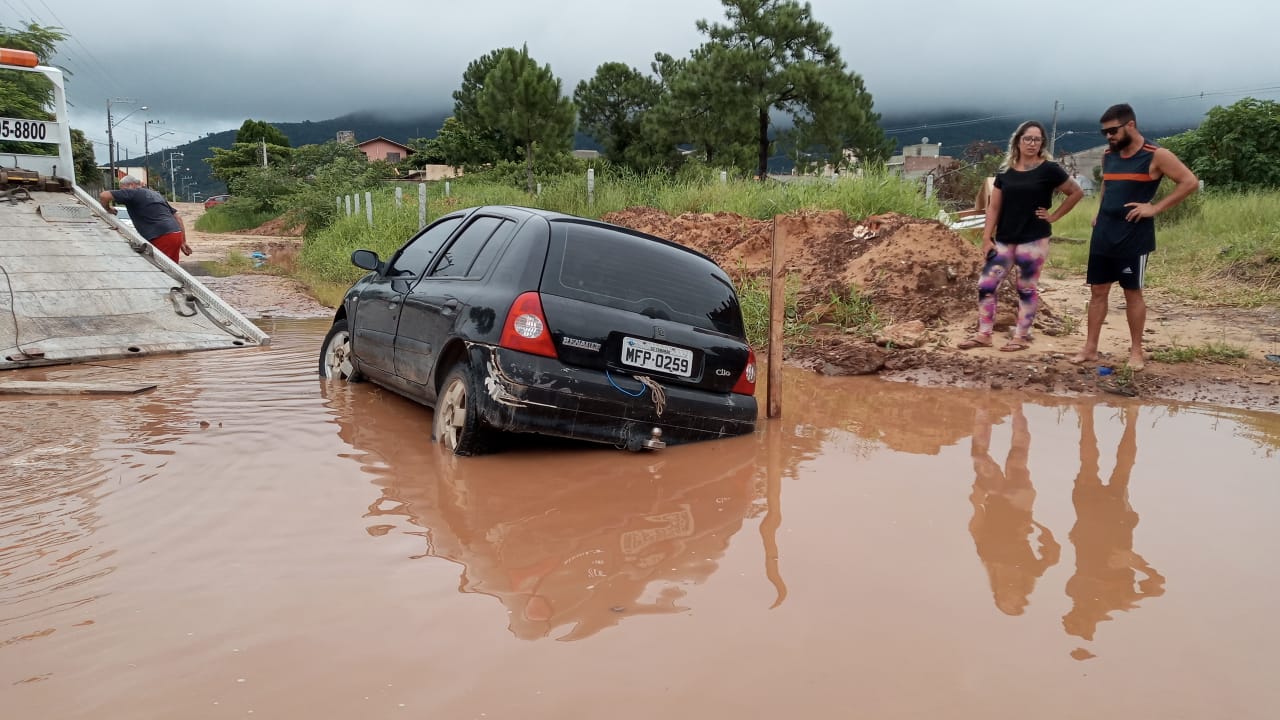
{"x":655,"y":441}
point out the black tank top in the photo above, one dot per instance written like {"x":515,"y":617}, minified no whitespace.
{"x":1124,"y":181}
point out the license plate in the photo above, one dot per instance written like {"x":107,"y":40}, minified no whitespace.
{"x":656,"y":356}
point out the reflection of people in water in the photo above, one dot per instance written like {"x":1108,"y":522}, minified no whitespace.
{"x":1106,"y":565}
{"x":1002,"y":525}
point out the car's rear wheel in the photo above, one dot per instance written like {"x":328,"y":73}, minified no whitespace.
{"x":336,"y":360}
{"x":457,"y":424}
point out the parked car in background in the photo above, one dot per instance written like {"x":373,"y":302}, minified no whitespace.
{"x":122,"y":215}
{"x":216,"y":200}
{"x":509,"y":319}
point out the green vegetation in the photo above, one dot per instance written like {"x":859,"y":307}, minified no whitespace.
{"x":1235,"y":148}
{"x":1214,"y":352}
{"x":854,"y":313}
{"x":753,"y":296}
{"x":1226,"y":253}
{"x":232,"y":216}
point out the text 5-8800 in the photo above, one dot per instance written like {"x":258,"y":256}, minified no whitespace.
{"x":28,"y":130}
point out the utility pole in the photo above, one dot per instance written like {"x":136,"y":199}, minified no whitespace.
{"x":111,"y":147}
{"x":264,"y":152}
{"x":173,"y":164}
{"x":1053,"y":134}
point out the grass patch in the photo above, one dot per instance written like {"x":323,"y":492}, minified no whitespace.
{"x":1214,"y":352}
{"x":234,"y":264}
{"x":231,"y":217}
{"x":854,"y":313}
{"x":1224,"y":250}
{"x":753,"y":296}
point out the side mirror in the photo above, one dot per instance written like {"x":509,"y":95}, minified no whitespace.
{"x":366,"y":260}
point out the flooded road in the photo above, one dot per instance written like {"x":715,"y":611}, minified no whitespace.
{"x":245,"y":541}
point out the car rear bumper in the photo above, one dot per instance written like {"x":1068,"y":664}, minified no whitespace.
{"x":530,"y":393}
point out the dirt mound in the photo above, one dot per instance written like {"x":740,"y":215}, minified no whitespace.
{"x":279,"y":227}
{"x":911,"y":269}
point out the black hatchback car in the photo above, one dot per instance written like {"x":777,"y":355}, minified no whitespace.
{"x":508,"y":319}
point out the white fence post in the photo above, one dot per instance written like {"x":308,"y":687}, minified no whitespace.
{"x":724,"y":177}
{"x":591,"y":186}
{"x":368,"y":207}
{"x":422,"y":205}
{"x":399,"y":197}
{"x":339,"y":199}
{"x":357,"y":203}
{"x":447,"y":189}
{"x":928,"y":186}
{"x":539,"y":189}
{"x":348,"y":199}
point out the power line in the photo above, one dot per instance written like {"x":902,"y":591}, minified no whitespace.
{"x":106,"y":74}
{"x":953,"y":123}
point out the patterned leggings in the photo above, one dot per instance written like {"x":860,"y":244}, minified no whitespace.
{"x":1029,"y":257}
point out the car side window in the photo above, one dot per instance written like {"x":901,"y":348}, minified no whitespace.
{"x":458,"y":257}
{"x":416,"y":257}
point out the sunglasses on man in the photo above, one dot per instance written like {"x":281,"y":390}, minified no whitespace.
{"x":1109,"y":131}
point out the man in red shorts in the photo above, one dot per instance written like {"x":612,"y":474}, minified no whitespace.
{"x":153,"y":217}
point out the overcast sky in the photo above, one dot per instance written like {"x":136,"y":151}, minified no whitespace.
{"x":205,"y":67}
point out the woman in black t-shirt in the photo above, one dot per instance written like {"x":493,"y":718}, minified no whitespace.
{"x":1017,"y":231}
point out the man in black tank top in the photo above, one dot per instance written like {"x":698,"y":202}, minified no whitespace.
{"x":1124,"y":231}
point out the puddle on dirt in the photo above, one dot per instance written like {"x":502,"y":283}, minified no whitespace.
{"x":246,"y":538}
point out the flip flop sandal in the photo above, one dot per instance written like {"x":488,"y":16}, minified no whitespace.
{"x":974,"y":341}
{"x":1016,"y":344}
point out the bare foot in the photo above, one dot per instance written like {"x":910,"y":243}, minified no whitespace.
{"x":1082,"y":357}
{"x":1136,"y":361}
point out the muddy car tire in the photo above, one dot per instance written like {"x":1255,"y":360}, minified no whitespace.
{"x":456,"y":423}
{"x":336,"y":359}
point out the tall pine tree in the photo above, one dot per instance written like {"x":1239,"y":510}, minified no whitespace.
{"x":523,"y":101}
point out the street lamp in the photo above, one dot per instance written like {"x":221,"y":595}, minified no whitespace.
{"x":111,"y":126}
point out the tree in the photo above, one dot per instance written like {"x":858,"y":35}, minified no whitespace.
{"x":256,"y":131}
{"x":87,"y":174}
{"x":523,"y":101}
{"x":490,"y":144}
{"x":456,"y":145}
{"x":1236,"y":147}
{"x":612,"y":107}
{"x":25,"y":94}
{"x":773,"y":56}
{"x":690,"y":113}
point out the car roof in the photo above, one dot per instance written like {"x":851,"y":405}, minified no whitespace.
{"x":552,"y":216}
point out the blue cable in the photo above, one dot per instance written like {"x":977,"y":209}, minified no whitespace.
{"x":615,"y":385}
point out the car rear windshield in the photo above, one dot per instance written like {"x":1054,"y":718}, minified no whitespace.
{"x":627,"y":272}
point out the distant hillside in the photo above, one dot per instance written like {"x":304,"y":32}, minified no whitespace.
{"x":365,"y":125}
{"x":1073,"y":136}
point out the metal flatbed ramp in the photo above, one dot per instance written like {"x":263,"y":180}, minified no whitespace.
{"x":76,"y":286}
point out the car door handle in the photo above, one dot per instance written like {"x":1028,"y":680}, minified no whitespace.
{"x":450,"y":307}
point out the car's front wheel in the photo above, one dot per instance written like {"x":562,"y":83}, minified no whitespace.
{"x":457,"y":424}
{"x":336,"y":360}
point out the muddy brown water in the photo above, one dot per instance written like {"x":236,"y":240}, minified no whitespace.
{"x":246,"y":541}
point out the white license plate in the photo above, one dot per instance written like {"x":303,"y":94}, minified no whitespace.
{"x":656,"y":356}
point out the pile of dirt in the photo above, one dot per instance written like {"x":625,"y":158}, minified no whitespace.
{"x":911,"y":269}
{"x":283,"y":226}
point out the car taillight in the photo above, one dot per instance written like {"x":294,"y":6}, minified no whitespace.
{"x":746,"y":384}
{"x":526,"y":328}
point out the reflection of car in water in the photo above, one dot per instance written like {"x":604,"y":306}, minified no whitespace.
{"x":524,"y":321}
{"x":581,"y":540}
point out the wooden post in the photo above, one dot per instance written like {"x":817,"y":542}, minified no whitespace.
{"x":777,"y":317}
{"x":422,"y":205}
{"x":368,"y":207}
